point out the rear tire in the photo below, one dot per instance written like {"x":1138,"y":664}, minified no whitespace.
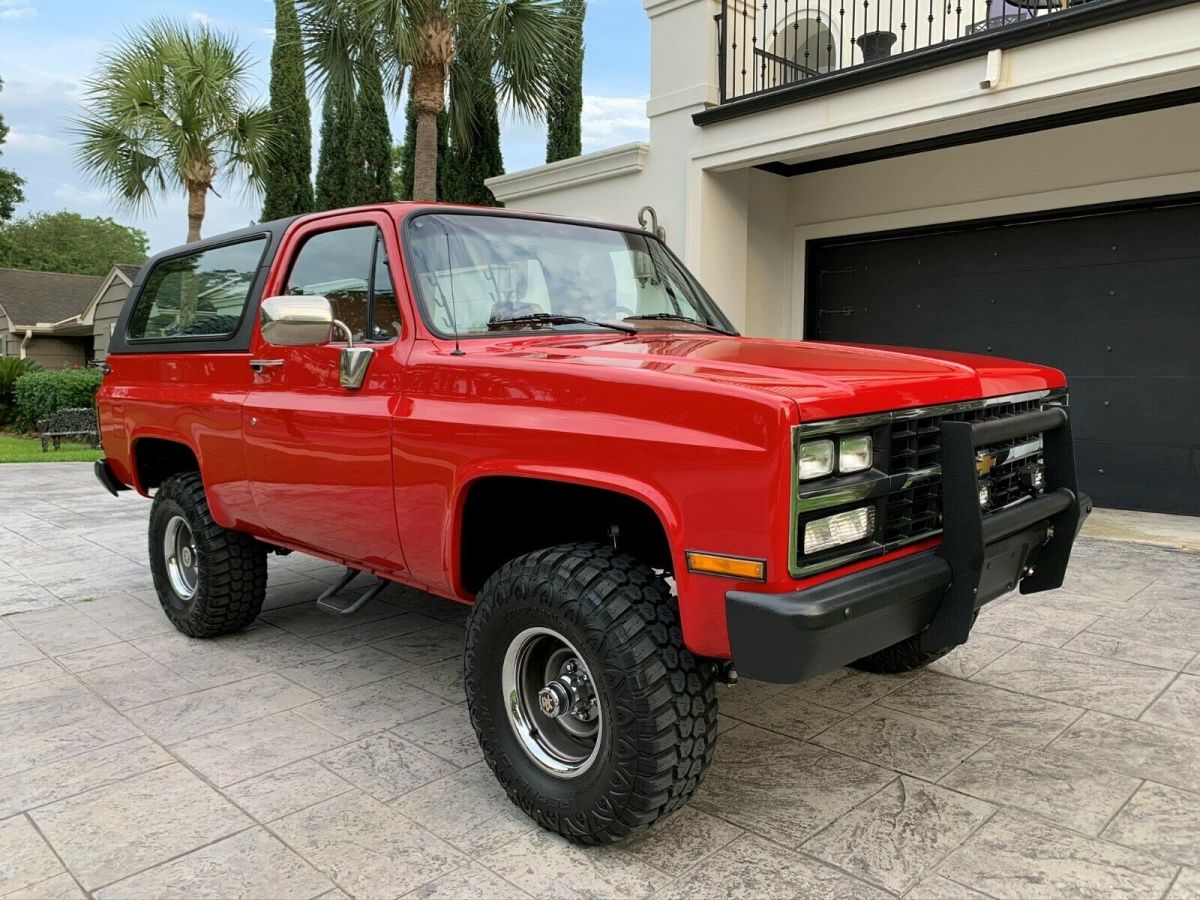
{"x":612,"y":626}
{"x":210,"y":580}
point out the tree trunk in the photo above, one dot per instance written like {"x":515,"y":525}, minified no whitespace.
{"x":429,"y":86}
{"x":197,"y":198}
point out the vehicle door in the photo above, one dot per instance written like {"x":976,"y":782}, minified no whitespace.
{"x":318,"y":450}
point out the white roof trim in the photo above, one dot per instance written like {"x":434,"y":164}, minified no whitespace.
{"x":628,"y":159}
{"x":88,"y":316}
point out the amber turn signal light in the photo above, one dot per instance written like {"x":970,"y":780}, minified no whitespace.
{"x":729,"y":566}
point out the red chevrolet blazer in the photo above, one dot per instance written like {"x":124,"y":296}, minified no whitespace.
{"x":551,"y":421}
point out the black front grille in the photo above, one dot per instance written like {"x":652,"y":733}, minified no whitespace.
{"x":916,"y":512}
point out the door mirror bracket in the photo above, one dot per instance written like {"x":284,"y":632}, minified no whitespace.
{"x":353,"y":366}
{"x":341,"y":326}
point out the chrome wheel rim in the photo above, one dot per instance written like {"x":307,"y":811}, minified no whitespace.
{"x":552,"y":705}
{"x":183,"y":562}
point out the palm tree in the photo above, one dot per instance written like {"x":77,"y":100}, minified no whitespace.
{"x":523,"y":44}
{"x":167,"y":110}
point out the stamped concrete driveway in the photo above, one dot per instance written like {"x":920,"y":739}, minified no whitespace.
{"x":1055,"y":755}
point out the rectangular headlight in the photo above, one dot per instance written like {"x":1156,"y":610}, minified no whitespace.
{"x":842,"y":528}
{"x":815,"y":459}
{"x":854,"y":454}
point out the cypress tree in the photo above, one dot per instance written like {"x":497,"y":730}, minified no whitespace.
{"x":370,"y":145}
{"x":564,"y":108}
{"x":477,"y":156}
{"x":404,"y":155}
{"x":333,"y":166}
{"x":288,"y":181}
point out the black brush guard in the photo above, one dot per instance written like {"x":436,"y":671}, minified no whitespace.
{"x":966,"y":533}
{"x":792,"y":636}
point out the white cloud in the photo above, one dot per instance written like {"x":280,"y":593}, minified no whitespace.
{"x":202,"y":18}
{"x":16,"y":10}
{"x":30,"y":97}
{"x":35,"y":143}
{"x":611,"y":121}
{"x":75,"y":195}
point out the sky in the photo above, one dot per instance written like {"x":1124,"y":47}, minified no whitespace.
{"x":47,"y":47}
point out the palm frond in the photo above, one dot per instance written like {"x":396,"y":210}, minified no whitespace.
{"x":530,"y":38}
{"x":166,"y":107}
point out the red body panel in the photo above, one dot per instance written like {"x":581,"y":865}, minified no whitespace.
{"x":696,"y":426}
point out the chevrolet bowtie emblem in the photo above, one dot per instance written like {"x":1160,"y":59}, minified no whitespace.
{"x":984,"y":463}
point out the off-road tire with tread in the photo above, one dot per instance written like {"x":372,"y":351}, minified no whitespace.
{"x":232,"y":565}
{"x":658,"y":700}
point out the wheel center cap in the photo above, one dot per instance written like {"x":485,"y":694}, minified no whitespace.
{"x":186,"y":555}
{"x":553,"y":700}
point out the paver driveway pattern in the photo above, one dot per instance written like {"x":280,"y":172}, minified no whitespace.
{"x":1055,"y":755}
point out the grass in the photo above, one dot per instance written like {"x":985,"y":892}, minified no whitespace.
{"x":21,"y":449}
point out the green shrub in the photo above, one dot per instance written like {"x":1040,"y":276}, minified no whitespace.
{"x":38,"y":394}
{"x":12,"y":368}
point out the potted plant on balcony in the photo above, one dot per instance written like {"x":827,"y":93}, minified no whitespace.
{"x":876,"y":44}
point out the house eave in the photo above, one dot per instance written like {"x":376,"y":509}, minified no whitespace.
{"x":627,"y":159}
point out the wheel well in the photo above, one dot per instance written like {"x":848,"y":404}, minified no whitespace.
{"x":505,"y":517}
{"x":155,"y":460}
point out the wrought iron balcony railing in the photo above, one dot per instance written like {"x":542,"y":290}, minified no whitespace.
{"x":766,"y":45}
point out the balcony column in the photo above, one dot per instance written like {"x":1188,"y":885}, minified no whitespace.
{"x":718,"y":243}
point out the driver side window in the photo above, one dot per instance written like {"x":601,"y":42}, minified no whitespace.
{"x":349,"y":267}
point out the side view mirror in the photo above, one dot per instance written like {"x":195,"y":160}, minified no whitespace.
{"x":296,"y":321}
{"x":307,"y":321}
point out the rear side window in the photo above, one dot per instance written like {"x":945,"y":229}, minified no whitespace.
{"x":201,"y":294}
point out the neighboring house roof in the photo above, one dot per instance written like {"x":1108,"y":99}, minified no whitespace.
{"x":123,"y":273}
{"x":45,"y":298}
{"x":129,"y":273}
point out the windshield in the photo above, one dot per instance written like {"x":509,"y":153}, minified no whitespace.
{"x":486,"y":273}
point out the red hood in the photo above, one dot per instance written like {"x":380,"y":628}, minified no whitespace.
{"x":825,"y":380}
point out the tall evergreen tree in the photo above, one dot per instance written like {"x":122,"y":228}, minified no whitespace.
{"x":333,"y":164}
{"x":476,"y":156}
{"x":288,"y":182}
{"x":10,"y":182}
{"x":370,"y":146}
{"x":564,"y":107}
{"x":523,"y":41}
{"x":404,"y":155}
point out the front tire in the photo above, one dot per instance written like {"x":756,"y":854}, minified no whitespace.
{"x":210,"y":580}
{"x":592,"y":714}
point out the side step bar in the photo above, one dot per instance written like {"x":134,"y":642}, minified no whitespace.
{"x":331,"y":600}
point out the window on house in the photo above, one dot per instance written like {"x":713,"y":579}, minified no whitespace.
{"x":349,"y":267}
{"x":202,"y":294}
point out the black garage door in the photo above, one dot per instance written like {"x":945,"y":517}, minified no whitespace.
{"x":1111,"y":296}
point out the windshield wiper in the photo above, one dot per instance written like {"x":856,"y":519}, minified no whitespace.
{"x":555,"y":319}
{"x":671,"y":317}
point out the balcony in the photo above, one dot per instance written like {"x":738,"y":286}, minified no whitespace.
{"x":775,"y":52}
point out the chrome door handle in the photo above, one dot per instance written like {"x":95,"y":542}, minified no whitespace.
{"x":259,"y":364}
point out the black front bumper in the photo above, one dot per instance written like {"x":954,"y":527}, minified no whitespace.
{"x":793,"y":636}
